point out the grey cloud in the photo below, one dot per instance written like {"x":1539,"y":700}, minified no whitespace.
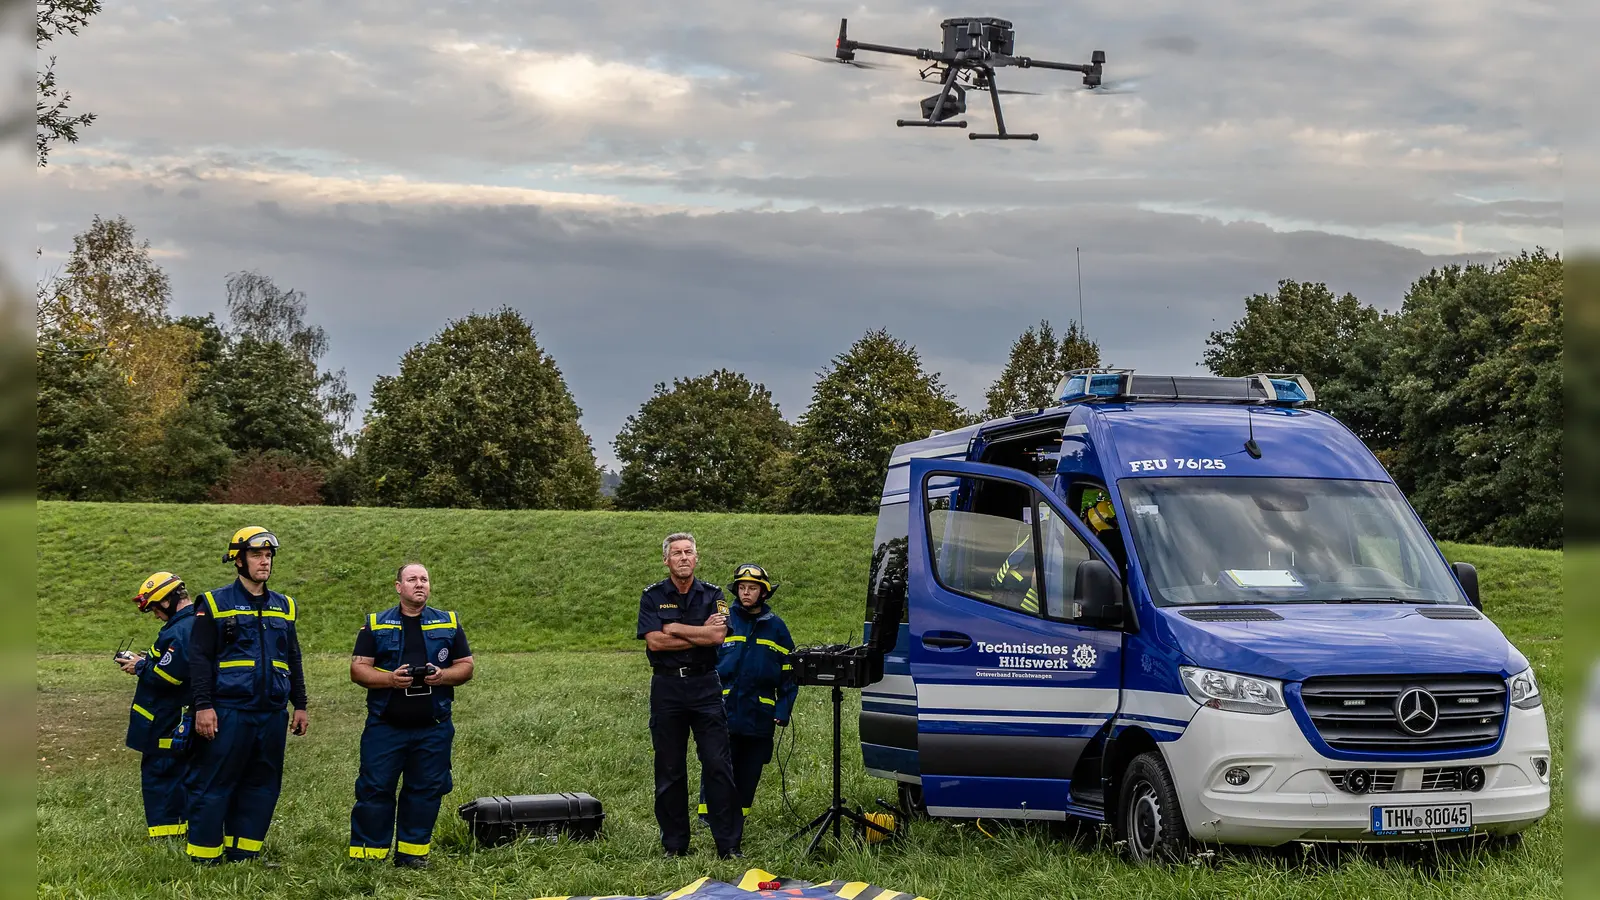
{"x":624,"y":302}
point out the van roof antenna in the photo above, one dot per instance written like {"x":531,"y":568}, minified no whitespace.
{"x":1250,"y":446}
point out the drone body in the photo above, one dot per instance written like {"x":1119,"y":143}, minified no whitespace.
{"x":973,"y":48}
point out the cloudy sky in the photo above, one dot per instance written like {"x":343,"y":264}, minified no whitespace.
{"x":665,"y":189}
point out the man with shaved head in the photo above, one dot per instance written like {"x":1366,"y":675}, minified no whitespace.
{"x":410,"y":657}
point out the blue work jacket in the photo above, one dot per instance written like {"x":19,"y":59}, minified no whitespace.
{"x":256,"y":643}
{"x":758,"y":683}
{"x":163,"y":687}
{"x":438,"y":634}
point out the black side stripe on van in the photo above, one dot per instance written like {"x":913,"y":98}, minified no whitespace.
{"x":889,"y":729}
{"x":999,"y":756}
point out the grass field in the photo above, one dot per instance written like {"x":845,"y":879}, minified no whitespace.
{"x":560,"y":704}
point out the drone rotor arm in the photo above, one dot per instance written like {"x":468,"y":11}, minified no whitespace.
{"x":850,"y":45}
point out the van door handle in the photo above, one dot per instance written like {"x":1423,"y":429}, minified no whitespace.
{"x":949,"y":640}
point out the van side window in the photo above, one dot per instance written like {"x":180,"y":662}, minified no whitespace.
{"x":982,"y":543}
{"x":887,"y":578}
{"x":1063,"y":551}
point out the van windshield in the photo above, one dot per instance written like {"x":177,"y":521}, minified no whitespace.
{"x":1211,"y":540}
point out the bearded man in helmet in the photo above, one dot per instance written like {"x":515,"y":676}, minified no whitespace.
{"x":245,"y":668}
{"x":157,"y":726}
{"x":758,"y":686}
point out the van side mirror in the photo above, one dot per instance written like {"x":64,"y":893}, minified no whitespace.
{"x":1467,"y":574}
{"x":1098,"y":594}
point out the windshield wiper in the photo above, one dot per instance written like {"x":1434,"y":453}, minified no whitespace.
{"x":1422,"y":600}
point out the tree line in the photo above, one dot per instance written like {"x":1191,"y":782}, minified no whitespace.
{"x":1458,"y":392}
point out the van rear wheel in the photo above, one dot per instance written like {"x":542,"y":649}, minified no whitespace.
{"x":911,"y":801}
{"x":1149,"y":822}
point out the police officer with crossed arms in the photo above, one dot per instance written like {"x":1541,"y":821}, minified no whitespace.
{"x":410,"y":658}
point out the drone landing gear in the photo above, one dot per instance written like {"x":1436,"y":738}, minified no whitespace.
{"x":923,"y":123}
{"x":1000,"y":122}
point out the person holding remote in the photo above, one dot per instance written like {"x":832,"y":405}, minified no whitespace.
{"x":410,"y":658}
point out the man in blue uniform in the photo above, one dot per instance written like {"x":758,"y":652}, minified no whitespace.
{"x":682,"y":627}
{"x":245,"y":668}
{"x":758,"y":686}
{"x":156,"y":726}
{"x":410,"y":658}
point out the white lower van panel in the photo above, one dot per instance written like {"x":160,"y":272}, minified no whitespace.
{"x":1291,"y":794}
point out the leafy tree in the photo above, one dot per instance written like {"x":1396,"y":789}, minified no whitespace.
{"x":118,"y":412}
{"x":1338,"y":343}
{"x":269,"y":399}
{"x":259,"y":310}
{"x":708,"y":444}
{"x":1036,"y":365}
{"x":479,"y":416}
{"x":874,"y":397}
{"x":1477,"y":377}
{"x":53,"y":123}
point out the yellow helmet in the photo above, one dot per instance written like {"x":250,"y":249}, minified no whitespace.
{"x":754,"y":574}
{"x":1101,"y":516}
{"x":250,"y":537}
{"x":156,"y":588}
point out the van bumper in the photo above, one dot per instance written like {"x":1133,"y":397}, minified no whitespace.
{"x":1291,"y":794}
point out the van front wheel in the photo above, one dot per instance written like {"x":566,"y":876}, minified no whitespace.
{"x":1149,"y":821}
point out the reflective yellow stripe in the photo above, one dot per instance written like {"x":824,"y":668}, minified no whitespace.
{"x":774,"y":645}
{"x":725,"y":691}
{"x":164,"y":744}
{"x":746,"y":810}
{"x":768,"y":701}
{"x":204,"y":852}
{"x":787,"y":667}
{"x":372,"y":622}
{"x":688,"y":889}
{"x":144,"y":712}
{"x":212,"y":602}
{"x":168,"y":830}
{"x":236,"y":664}
{"x":248,"y":845}
{"x":157,"y":670}
{"x":753,"y":878}
{"x":368,"y":852}
{"x":412,"y":849}
{"x":280,"y":665}
{"x":703,"y":809}
{"x":734,"y":639}
{"x":449,"y":624}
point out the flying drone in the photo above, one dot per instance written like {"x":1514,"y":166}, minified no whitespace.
{"x":974,"y":47}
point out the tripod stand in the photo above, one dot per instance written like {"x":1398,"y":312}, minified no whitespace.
{"x":833,"y":814}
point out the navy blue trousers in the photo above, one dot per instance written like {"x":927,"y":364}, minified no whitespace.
{"x":166,"y":799}
{"x":233,"y":783}
{"x":678,"y":707}
{"x":751,"y":753}
{"x":422,"y":756}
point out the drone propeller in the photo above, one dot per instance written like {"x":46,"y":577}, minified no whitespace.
{"x":841,"y":62}
{"x":1002,"y":90}
{"x":1112,"y":87}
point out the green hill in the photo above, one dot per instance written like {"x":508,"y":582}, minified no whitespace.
{"x":523,"y":580}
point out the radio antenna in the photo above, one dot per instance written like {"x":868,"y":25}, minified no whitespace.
{"x":1079,"y":252}
{"x":1250,"y":446}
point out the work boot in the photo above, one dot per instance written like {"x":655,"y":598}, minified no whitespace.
{"x":407,"y":861}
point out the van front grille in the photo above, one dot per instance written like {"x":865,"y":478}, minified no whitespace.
{"x":1362,"y":713}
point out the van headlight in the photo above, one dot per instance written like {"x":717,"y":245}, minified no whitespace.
{"x":1235,"y":693}
{"x":1524,"y":690}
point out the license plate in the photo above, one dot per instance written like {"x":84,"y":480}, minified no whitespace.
{"x":1434,"y":818}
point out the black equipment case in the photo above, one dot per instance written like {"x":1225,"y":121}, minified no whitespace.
{"x":501,"y":820}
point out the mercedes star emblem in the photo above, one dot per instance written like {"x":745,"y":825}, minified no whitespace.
{"x":1417,"y":711}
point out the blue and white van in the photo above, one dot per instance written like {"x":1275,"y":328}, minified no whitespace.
{"x":1198,"y":610}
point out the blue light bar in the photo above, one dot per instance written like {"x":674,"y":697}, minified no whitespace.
{"x":1085,"y":385}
